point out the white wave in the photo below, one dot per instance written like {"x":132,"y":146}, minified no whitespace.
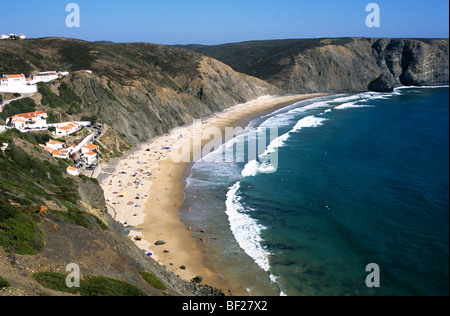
{"x":309,"y":121}
{"x":347,"y":98}
{"x":351,"y":105}
{"x":245,"y":229}
{"x":420,"y":87}
{"x":280,"y":141}
{"x":250,"y":169}
{"x":285,"y":118}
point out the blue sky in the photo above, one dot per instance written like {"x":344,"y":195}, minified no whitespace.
{"x":223,"y":21}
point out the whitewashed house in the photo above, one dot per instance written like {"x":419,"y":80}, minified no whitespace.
{"x":55,"y":145}
{"x":17,"y":83}
{"x":45,"y":77}
{"x":73,"y":171}
{"x":58,"y":149}
{"x":4,"y":146}
{"x":30,"y":120}
{"x":89,"y":148}
{"x":3,"y":36}
{"x":90,"y":157}
{"x":69,"y":128}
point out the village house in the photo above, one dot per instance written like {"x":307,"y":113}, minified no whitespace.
{"x":55,"y":145}
{"x":45,"y":76}
{"x":90,"y":157}
{"x":67,"y":129}
{"x":17,"y":83}
{"x":89,"y":148}
{"x":4,"y":146}
{"x":30,"y":120}
{"x":11,"y":35}
{"x":58,"y":149}
{"x":73,"y":171}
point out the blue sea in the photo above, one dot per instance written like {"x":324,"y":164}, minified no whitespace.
{"x":360,"y":179}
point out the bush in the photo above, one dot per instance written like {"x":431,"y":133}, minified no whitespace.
{"x":76,"y":217}
{"x":54,"y":281}
{"x":48,"y":97}
{"x":153,"y":281}
{"x":91,"y":286}
{"x":25,"y":105}
{"x":22,"y":235}
{"x":4,"y":283}
{"x":101,"y":286}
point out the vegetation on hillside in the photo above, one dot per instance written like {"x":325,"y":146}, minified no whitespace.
{"x":25,"y":105}
{"x":28,"y":179}
{"x":262,"y":59}
{"x":89,"y":286}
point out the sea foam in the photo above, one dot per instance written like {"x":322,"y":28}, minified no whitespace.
{"x":245,"y":229}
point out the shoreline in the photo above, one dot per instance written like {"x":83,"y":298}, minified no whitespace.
{"x":146,"y":191}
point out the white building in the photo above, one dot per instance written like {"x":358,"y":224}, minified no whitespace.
{"x":3,"y":36}
{"x":44,"y":77}
{"x":58,"y":149}
{"x":73,"y":171}
{"x":17,"y":83}
{"x":89,"y":148}
{"x":69,"y":128}
{"x":90,"y":157}
{"x":55,"y":145}
{"x":31,"y":120}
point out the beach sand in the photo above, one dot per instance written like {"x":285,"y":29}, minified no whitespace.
{"x":146,"y":191}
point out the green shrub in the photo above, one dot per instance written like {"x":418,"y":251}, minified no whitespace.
{"x":4,"y":283}
{"x":21,"y":234}
{"x":24,"y":105}
{"x":54,"y":281}
{"x":76,"y":217}
{"x":90,"y":286}
{"x":48,"y":97}
{"x":153,"y":281}
{"x":101,"y":286}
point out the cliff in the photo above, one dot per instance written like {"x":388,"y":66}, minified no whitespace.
{"x":74,"y":227}
{"x":338,"y":64}
{"x":141,"y":90}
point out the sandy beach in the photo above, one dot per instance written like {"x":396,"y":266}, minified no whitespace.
{"x":146,"y":191}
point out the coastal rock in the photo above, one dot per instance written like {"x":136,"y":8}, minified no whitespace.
{"x":384,"y":83}
{"x":338,"y":64}
{"x":160,"y":243}
{"x":197,"y":279}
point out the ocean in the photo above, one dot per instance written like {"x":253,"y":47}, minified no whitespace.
{"x":360,"y":179}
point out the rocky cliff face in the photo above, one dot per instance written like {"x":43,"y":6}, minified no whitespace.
{"x":141,"y":90}
{"x":340,"y":64}
{"x":367,"y":64}
{"x":142,"y":108}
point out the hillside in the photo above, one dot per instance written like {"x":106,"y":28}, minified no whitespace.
{"x":140,"y":90}
{"x":73,"y":228}
{"x":338,"y":64}
{"x":137,"y":91}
